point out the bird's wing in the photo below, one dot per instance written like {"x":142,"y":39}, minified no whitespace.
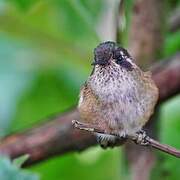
{"x":88,"y":104}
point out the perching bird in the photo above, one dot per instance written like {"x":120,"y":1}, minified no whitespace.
{"x":118,"y":96}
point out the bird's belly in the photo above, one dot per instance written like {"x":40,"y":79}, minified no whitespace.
{"x":117,"y":108}
{"x":122,"y":115}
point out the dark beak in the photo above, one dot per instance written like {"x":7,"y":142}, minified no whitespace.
{"x":99,"y":62}
{"x":93,"y":63}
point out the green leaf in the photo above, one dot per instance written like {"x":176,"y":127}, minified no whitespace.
{"x":20,"y":160}
{"x":8,"y":171}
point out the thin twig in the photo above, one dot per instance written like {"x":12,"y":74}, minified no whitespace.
{"x":144,"y":141}
{"x":164,"y":147}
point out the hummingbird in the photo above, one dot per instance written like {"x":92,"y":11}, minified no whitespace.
{"x":117,"y":96}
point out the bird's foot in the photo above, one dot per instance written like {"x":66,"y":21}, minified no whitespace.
{"x":111,"y":141}
{"x":141,"y":138}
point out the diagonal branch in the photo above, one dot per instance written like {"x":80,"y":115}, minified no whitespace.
{"x":139,"y":138}
{"x":58,"y":137}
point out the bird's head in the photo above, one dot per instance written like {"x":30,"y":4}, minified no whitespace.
{"x":109,"y":51}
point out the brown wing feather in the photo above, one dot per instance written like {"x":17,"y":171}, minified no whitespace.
{"x":89,"y":107}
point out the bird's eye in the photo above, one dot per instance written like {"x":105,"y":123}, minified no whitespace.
{"x":117,"y":53}
{"x":125,"y":64}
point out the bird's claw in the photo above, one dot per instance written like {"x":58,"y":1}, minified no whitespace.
{"x":141,"y":138}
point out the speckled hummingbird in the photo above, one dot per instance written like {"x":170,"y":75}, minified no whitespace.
{"x":118,"y":96}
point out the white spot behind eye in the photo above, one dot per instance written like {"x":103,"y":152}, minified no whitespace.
{"x":121,"y":53}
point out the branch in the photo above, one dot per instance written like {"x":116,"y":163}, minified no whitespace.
{"x":166,"y":75}
{"x":139,"y":138}
{"x":58,"y":137}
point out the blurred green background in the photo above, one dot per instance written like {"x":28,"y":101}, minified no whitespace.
{"x":46,"y":48}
